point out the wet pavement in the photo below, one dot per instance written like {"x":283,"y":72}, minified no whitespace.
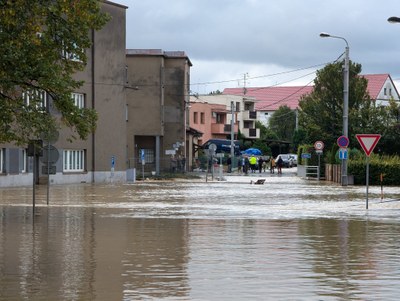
{"x":288,"y":239}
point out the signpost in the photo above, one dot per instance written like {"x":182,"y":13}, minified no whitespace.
{"x":343,"y":143}
{"x":319,"y":146}
{"x":112,"y":167}
{"x":343,"y":154}
{"x":50,"y":156}
{"x":142,"y":158}
{"x":368,"y":143}
{"x":212,"y":148}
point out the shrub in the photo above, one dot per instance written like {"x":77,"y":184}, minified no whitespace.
{"x":388,"y":166}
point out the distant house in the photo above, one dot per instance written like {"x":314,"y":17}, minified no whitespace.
{"x":268,"y":99}
{"x":381,"y":88}
{"x":212,"y":115}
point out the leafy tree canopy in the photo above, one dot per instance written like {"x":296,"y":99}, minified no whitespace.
{"x":283,"y":123}
{"x":43,"y":44}
{"x":321,"y":111}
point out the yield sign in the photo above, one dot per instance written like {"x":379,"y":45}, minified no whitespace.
{"x":368,"y":142}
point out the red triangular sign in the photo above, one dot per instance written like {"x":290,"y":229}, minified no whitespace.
{"x":368,"y":142}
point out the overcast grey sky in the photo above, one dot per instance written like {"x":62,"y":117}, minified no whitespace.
{"x":226,"y":39}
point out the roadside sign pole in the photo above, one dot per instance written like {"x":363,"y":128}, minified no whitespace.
{"x":142,"y":158}
{"x":34,"y":181}
{"x":367,"y":183}
{"x":48,"y":173}
{"x":368,"y":143}
{"x":319,"y":146}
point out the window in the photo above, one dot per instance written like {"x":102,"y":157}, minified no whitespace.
{"x":220,"y":118}
{"x":195,"y":117}
{"x":202,"y":118}
{"x":35,"y":98}
{"x":71,"y":56}
{"x":74,"y":160}
{"x":2,"y":160}
{"x":79,"y":100}
{"x":237,"y":106}
{"x":148,"y":155}
{"x":384,"y":91}
{"x":24,"y":167}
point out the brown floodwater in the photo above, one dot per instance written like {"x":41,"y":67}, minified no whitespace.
{"x":288,"y":239}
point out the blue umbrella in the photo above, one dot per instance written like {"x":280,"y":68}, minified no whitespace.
{"x":252,"y":151}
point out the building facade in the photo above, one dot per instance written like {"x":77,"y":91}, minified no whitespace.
{"x":157,"y":109}
{"x":102,"y":157}
{"x":268,"y":99}
{"x":212,"y":115}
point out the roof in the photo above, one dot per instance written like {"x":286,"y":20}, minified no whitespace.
{"x":271,"y":98}
{"x":376,"y":83}
{"x":115,"y":4}
{"x":158,"y":52}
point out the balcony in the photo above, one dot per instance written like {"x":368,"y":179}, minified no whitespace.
{"x":249,"y":115}
{"x":251,"y":133}
{"x":219,"y":128}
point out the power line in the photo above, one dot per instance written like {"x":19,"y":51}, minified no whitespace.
{"x":262,"y":76}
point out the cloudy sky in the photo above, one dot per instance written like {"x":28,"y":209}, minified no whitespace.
{"x":268,"y":42}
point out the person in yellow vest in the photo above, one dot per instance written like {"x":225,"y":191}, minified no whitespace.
{"x":253,"y":163}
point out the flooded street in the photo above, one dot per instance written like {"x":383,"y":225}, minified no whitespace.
{"x":289,"y":239}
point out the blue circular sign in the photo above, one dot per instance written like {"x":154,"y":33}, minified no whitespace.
{"x":343,"y":141}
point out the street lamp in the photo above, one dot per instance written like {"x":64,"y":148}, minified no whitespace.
{"x":345,"y":100}
{"x":394,"y":20}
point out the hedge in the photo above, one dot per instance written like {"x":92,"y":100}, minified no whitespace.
{"x":388,"y":166}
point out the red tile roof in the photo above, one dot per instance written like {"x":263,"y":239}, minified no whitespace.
{"x":375,"y":83}
{"x":271,"y":98}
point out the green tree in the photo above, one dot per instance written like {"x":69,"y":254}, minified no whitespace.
{"x":283,"y":123}
{"x":321,"y":111}
{"x":388,"y":119}
{"x":43,"y":43}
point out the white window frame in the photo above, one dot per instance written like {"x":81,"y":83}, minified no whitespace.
{"x":73,"y":160}
{"x":2,"y":159}
{"x":24,"y":168}
{"x":79,"y":100}
{"x":29,"y":95}
{"x":71,"y":56}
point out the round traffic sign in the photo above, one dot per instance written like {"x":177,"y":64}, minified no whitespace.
{"x":50,"y":154}
{"x":212,"y":147}
{"x":319,"y":145}
{"x":343,"y":141}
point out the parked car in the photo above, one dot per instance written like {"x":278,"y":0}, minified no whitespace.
{"x":287,"y":162}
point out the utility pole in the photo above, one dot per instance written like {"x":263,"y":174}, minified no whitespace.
{"x":232,"y":134}
{"x":245,"y":83}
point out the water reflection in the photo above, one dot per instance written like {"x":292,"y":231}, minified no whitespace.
{"x":196,"y":241}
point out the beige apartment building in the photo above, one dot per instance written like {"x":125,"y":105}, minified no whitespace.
{"x":141,"y":98}
{"x":212,"y":115}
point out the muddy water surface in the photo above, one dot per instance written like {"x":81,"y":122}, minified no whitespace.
{"x":288,"y":239}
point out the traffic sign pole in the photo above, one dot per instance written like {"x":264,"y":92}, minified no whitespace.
{"x":368,"y":143}
{"x":367,"y":184}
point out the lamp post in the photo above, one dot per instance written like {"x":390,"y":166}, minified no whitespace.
{"x":394,"y":20}
{"x":345,"y":100}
